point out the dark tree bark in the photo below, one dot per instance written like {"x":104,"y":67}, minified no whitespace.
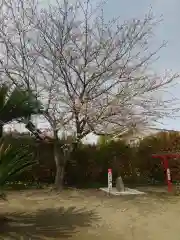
{"x":60,"y":162}
{"x":60,"y":167}
{"x":1,"y":130}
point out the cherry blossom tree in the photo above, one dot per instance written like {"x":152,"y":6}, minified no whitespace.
{"x":93,"y":76}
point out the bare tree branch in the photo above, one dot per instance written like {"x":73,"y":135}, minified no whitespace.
{"x":102,"y":71}
{"x":18,"y":61}
{"x":92,"y":75}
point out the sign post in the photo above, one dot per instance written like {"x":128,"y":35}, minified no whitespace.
{"x":168,"y":174}
{"x":109,"y":180}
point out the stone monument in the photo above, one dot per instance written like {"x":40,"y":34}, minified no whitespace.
{"x":120,"y":185}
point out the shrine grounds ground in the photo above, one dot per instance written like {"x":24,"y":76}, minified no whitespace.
{"x":90,"y":214}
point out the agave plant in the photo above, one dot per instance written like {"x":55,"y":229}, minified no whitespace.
{"x":13,"y":161}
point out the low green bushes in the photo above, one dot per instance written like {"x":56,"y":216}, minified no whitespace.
{"x":89,"y":164}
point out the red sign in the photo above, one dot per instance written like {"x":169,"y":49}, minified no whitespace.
{"x":109,"y":170}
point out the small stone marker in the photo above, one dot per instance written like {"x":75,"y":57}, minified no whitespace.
{"x":119,"y":184}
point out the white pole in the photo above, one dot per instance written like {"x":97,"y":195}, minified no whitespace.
{"x":109,"y":180}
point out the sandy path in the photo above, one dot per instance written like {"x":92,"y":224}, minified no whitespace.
{"x":91,"y":215}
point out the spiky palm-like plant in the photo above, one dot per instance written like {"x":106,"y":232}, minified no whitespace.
{"x":13,"y":161}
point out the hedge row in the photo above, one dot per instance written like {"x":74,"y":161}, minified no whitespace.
{"x":90,"y":163}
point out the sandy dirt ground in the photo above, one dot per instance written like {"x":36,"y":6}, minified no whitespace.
{"x":89,"y":214}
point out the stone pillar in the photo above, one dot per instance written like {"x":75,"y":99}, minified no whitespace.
{"x":119,"y":184}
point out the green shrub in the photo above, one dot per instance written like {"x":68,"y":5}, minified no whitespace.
{"x":88,"y":166}
{"x":13,"y":162}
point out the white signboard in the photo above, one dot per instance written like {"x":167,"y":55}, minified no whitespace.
{"x":168,"y":174}
{"x":109,"y":179}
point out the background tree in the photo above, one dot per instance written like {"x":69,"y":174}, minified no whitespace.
{"x":93,"y":76}
{"x":103,"y":140}
{"x":163,"y":142}
{"x":16,"y":104}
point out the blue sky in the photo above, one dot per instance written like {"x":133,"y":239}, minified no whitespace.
{"x":167,"y":30}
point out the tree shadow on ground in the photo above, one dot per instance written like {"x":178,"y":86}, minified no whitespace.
{"x":47,"y":223}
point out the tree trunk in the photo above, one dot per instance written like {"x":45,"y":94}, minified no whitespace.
{"x":1,"y":130}
{"x":60,"y":166}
